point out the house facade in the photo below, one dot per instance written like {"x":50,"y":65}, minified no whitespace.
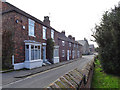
{"x":69,"y":48}
{"x":92,"y":48}
{"x":85,"y":46}
{"x":25,"y":39}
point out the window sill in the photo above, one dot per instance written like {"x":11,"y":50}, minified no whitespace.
{"x":32,"y":36}
{"x":34,"y":60}
{"x":44,"y":39}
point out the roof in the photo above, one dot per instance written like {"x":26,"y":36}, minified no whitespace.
{"x":82,"y":42}
{"x":15,"y":9}
{"x":63,"y":37}
{"x":91,"y":46}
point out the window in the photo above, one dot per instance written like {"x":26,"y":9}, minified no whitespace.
{"x":52,"y":34}
{"x":78,"y":53}
{"x":63,"y":43}
{"x":35,"y":52}
{"x":73,"y":54}
{"x":31,"y":27}
{"x":32,"y":51}
{"x":74,"y":45}
{"x":56,"y":54}
{"x":44,"y":32}
{"x":70,"y":52}
{"x":77,"y":45}
{"x":63,"y":53}
{"x":69,"y":44}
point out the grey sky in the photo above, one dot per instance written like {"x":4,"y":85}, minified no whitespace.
{"x":76,"y":17}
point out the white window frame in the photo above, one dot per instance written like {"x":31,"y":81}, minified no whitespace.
{"x":70,"y":52}
{"x":63,"y":43}
{"x":30,"y":51}
{"x":31,"y":23}
{"x":74,"y":45}
{"x":69,"y":44}
{"x":63,"y":53}
{"x":78,"y":53}
{"x":44,"y":32}
{"x":52,"y":34}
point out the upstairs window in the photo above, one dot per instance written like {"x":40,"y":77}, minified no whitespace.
{"x":52,"y":34}
{"x":44,"y":32}
{"x":63,"y":43}
{"x":69,"y":44}
{"x":31,"y":27}
{"x":77,"y":45}
{"x":74,"y":45}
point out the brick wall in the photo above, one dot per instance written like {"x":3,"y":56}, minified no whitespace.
{"x":14,"y":22}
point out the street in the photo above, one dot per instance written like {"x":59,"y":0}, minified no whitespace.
{"x":43,"y":79}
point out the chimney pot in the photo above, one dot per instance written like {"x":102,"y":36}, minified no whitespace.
{"x":74,"y":38}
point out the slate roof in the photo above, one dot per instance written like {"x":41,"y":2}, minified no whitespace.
{"x":82,"y":42}
{"x":91,"y":46}
{"x":63,"y":37}
{"x":15,"y":9}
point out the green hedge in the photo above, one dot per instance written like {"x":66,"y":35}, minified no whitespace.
{"x":107,"y":36}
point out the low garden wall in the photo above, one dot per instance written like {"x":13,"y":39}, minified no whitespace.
{"x":77,"y":78}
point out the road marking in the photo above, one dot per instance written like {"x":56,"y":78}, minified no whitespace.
{"x":14,"y":82}
{"x":35,"y":75}
{"x":47,"y":71}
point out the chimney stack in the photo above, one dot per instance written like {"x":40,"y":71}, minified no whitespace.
{"x":63,"y":32}
{"x":46,"y":20}
{"x":70,"y":36}
{"x":74,"y":38}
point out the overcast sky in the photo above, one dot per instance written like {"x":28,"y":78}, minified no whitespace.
{"x":76,"y":17}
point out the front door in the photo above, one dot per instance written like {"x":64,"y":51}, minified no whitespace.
{"x":67,"y":54}
{"x":44,"y":53}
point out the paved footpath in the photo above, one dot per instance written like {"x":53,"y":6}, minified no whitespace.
{"x":37,"y":79}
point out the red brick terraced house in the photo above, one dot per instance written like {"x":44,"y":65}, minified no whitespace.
{"x":24,"y":39}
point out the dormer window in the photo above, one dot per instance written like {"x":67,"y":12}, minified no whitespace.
{"x":31,"y":27}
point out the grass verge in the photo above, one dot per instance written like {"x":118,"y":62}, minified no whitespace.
{"x":103,"y":80}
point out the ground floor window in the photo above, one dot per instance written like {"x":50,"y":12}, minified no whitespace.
{"x":56,"y":54}
{"x":32,"y":51}
{"x":73,"y":54}
{"x":63,"y":53}
{"x":70,"y":52}
{"x":78,"y":53}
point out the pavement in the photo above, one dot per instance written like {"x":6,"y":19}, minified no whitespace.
{"x":27,"y":72}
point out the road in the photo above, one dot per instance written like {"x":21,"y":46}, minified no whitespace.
{"x":43,"y":79}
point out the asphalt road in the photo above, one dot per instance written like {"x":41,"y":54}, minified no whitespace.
{"x":43,"y":79}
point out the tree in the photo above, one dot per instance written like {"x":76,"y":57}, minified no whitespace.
{"x":49,"y":50}
{"x":107,"y":36}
